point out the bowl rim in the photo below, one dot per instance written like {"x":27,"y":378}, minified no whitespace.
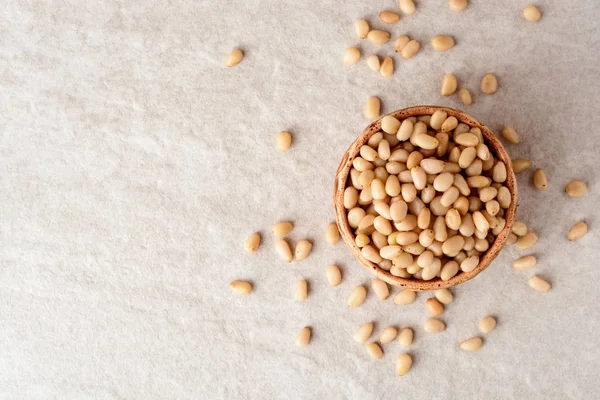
{"x":341,"y":179}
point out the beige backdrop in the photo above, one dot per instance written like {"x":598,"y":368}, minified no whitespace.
{"x":133,"y":164}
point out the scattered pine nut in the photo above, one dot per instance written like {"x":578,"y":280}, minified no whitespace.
{"x":387,"y":67}
{"x":332,"y":234}
{"x":351,"y":56}
{"x":283,"y":249}
{"x":400,"y":42}
{"x":444,"y":296}
{"x":576,"y":188}
{"x":527,"y":241}
{"x":301,"y":292}
{"x":539,"y":179}
{"x":375,"y":351}
{"x":372,"y":108}
{"x":538,"y":284}
{"x":519,"y":228}
{"x":579,"y":230}
{"x":303,"y":248}
{"x":407,"y":6}
{"x":282,"y":228}
{"x":520,"y":165}
{"x":511,"y":135}
{"x":378,"y":36}
{"x":234,"y":58}
{"x":357,"y":297}
{"x":457,"y":5}
{"x":373,"y":63}
{"x":406,"y":337}
{"x":465,"y":96}
{"x":449,"y":85}
{"x":472,"y":344}
{"x":242,"y":288}
{"x":403,"y":364}
{"x":283,"y":140}
{"x":388,"y":335}
{"x":303,"y":337}
{"x":442,"y":43}
{"x":489,"y":84}
{"x":334,"y":275}
{"x":434,"y":306}
{"x":361,"y":28}
{"x":487,"y":324}
{"x":531,"y":13}
{"x":405,"y":297}
{"x":252,"y":243}
{"x":380,"y":288}
{"x":389,"y":17}
{"x":364,"y":333}
{"x":512,"y":239}
{"x":410,"y":49}
{"x":525,"y":263}
{"x":434,"y":325}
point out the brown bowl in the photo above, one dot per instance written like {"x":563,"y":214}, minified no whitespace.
{"x":342,"y":220}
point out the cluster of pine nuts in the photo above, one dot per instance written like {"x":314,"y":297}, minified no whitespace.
{"x":426,"y":197}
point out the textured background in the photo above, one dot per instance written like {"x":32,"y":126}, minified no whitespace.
{"x":133,"y":164}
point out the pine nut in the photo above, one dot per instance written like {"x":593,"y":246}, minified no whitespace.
{"x":489,"y":84}
{"x":579,"y":230}
{"x":381,"y":288}
{"x":282,"y":228}
{"x":303,"y":337}
{"x":449,"y":197}
{"x":407,"y":224}
{"x":403,"y":364}
{"x":524,"y":263}
{"x":407,"y":6}
{"x":361,"y":27}
{"x":364,"y":333}
{"x":301,"y":292}
{"x":283,"y":140}
{"x":449,"y":124}
{"x":390,"y":124}
{"x":469,"y":264}
{"x":444,"y":296}
{"x":357,"y":297}
{"x":400,"y":42}
{"x":467,"y":156}
{"x":452,"y":246}
{"x":538,"y":284}
{"x":453,"y":220}
{"x":531,"y":13}
{"x":350,"y":197}
{"x":465,"y":96}
{"x":351,"y":56}
{"x":527,"y":241}
{"x":375,"y":351}
{"x":382,"y":225}
{"x":388,"y":335}
{"x":483,"y":152}
{"x":503,"y":197}
{"x":373,"y":63}
{"x":334,"y":275}
{"x":449,"y":85}
{"x":405,"y":297}
{"x":251,"y":244}
{"x":434,"y":306}
{"x":512,"y":239}
{"x":477,"y":182}
{"x":283,"y":249}
{"x":355,"y":215}
{"x":511,"y":135}
{"x":539,"y":179}
{"x":434,"y":325}
{"x":378,"y":37}
{"x":389,"y":17}
{"x":242,"y":288}
{"x":449,"y":270}
{"x":467,"y":139}
{"x":332,"y":234}
{"x":520,"y":165}
{"x":406,"y":337}
{"x":576,"y":189}
{"x":437,"y":119}
{"x":234,"y":58}
{"x":472,"y":344}
{"x":410,"y":49}
{"x":387,"y":67}
{"x":372,"y":109}
{"x":457,"y":5}
{"x":487,"y":324}
{"x":519,"y":228}
{"x":442,"y":43}
{"x":426,"y":142}
{"x":303,"y":248}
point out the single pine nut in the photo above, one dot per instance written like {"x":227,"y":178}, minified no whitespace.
{"x":512,"y":239}
{"x":400,"y":42}
{"x":452,"y":246}
{"x":504,"y":197}
{"x":539,"y":179}
{"x":406,"y":337}
{"x":527,"y":241}
{"x":381,"y":288}
{"x":364,"y":333}
{"x":579,"y":230}
{"x":520,"y":165}
{"x":351,"y":56}
{"x":373,"y":63}
{"x":489,"y":84}
{"x":251,"y":244}
{"x":389,"y":17}
{"x":453,"y":220}
{"x":407,"y":6}
{"x":407,"y":224}
{"x":372,"y":109}
{"x":434,"y":306}
{"x":444,"y":296}
{"x":283,"y":140}
{"x":538,"y":284}
{"x":466,"y":139}
{"x":426,"y":142}
{"x":472,"y":344}
{"x":449,"y":85}
{"x":405,"y":297}
{"x":282,"y":228}
{"x":449,"y":270}
{"x":576,"y":189}
{"x":283,"y":249}
{"x":465,"y":96}
{"x":457,"y":5}
{"x":378,"y":37}
{"x":387,"y":67}
{"x":303,"y":337}
{"x":242,"y":288}
{"x":437,"y":119}
{"x":467,"y":156}
{"x":403,"y":364}
{"x":234,"y":58}
{"x":375,"y":351}
{"x":434,"y":325}
{"x":442,"y":43}
{"x":469,"y":264}
{"x":389,"y":124}
{"x":357,"y":297}
{"x":371,"y":254}
{"x":388,"y":335}
{"x":531,"y":13}
{"x":483,"y":152}
{"x":303,"y":248}
{"x":332,"y":234}
{"x":334,"y":275}
{"x":510,"y":134}
{"x":355,"y":215}
{"x":361,"y":27}
{"x":524,"y":263}
{"x":301,"y":292}
{"x":449,"y":124}
{"x":410,"y":49}
{"x":487,"y":324}
{"x":519,"y":228}
{"x":499,"y":172}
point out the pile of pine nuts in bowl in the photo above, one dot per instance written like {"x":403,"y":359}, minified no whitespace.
{"x":425,"y":197}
